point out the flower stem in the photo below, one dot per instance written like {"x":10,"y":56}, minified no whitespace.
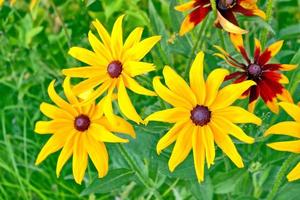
{"x":195,"y":47}
{"x":139,"y":174}
{"x":280,"y":176}
{"x":268,"y":19}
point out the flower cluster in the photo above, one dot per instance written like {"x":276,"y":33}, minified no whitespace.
{"x":202,"y":111}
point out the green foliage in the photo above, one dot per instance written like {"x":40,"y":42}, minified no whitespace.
{"x":34,"y":48}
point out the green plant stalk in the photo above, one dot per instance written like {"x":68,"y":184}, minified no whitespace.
{"x":268,"y":19}
{"x":139,"y":174}
{"x":195,"y":47}
{"x":280,"y":176}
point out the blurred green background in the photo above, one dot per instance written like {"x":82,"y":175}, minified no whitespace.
{"x":33,"y":50}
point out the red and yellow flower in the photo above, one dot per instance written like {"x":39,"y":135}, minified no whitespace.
{"x":268,"y":77}
{"x":225,"y":13}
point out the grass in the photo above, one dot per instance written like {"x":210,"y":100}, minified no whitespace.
{"x":34,"y":48}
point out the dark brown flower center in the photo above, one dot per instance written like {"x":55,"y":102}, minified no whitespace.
{"x":114,"y":69}
{"x":225,"y":4}
{"x":200,"y":115}
{"x":82,"y":123}
{"x":254,"y":70}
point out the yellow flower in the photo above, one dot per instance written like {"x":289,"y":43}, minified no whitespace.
{"x":113,"y":64}
{"x":202,"y":115}
{"x":289,"y":128}
{"x":80,"y":131}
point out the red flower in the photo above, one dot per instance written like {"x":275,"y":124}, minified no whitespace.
{"x":267,"y":76}
{"x":225,"y":18}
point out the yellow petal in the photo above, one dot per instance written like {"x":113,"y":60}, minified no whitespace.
{"x":232,"y":129}
{"x":182,"y":148}
{"x":85,"y":72}
{"x":197,"y":81}
{"x":54,"y":112}
{"x":134,"y":86}
{"x":117,"y":37}
{"x":125,"y":104}
{"x":251,"y":106}
{"x":198,"y":154}
{"x":66,"y":152}
{"x":100,"y":133}
{"x":294,"y":174}
{"x":107,"y":105}
{"x":55,"y":143}
{"x":290,"y":146}
{"x":80,"y":159}
{"x":225,"y":143}
{"x":229,"y":94}
{"x":170,"y":136}
{"x":98,"y":154}
{"x":169,"y":96}
{"x":172,"y":115}
{"x":50,"y":127}
{"x":287,"y":67}
{"x":283,"y":79}
{"x":228,"y":26}
{"x":59,"y":101}
{"x":237,"y":41}
{"x":97,"y":93}
{"x":186,"y":6}
{"x":89,"y":84}
{"x":178,"y":85}
{"x":133,"y":38}
{"x":142,"y":48}
{"x":102,"y":52}
{"x":86,"y":56}
{"x":102,"y":33}
{"x":133,"y":68}
{"x":275,"y":47}
{"x":208,"y":142}
{"x":285,"y":128}
{"x":121,"y":126}
{"x":291,"y":109}
{"x":68,"y":91}
{"x":213,"y":83}
{"x":237,"y":115}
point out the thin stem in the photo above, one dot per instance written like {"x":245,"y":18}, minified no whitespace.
{"x":268,"y":19}
{"x":221,"y":36}
{"x":170,"y":188}
{"x":139,"y":174}
{"x":280,"y":176}
{"x":62,"y":22}
{"x":195,"y":47}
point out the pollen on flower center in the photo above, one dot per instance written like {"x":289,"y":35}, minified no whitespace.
{"x":225,"y":4}
{"x":254,"y":70}
{"x":200,"y":115}
{"x":82,"y":123}
{"x":114,"y":69}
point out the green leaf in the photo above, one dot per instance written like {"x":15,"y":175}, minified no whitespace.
{"x":202,"y":191}
{"x":226,"y":182}
{"x":113,"y":180}
{"x":289,"y":191}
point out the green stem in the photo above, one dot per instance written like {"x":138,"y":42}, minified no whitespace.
{"x":139,"y":174}
{"x":280,"y":176}
{"x":195,"y":47}
{"x":268,"y":19}
{"x":170,"y":188}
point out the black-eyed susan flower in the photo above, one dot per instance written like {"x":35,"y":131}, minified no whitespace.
{"x":202,"y":115}
{"x":268,"y":77}
{"x":225,"y":13}
{"x":289,"y":128}
{"x":113,"y":65}
{"x":80,"y":131}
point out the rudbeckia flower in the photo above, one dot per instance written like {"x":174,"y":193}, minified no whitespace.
{"x":202,"y":115}
{"x":289,"y":128}
{"x":225,"y":13}
{"x":78,"y":131}
{"x":268,"y":77}
{"x":113,"y":65}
